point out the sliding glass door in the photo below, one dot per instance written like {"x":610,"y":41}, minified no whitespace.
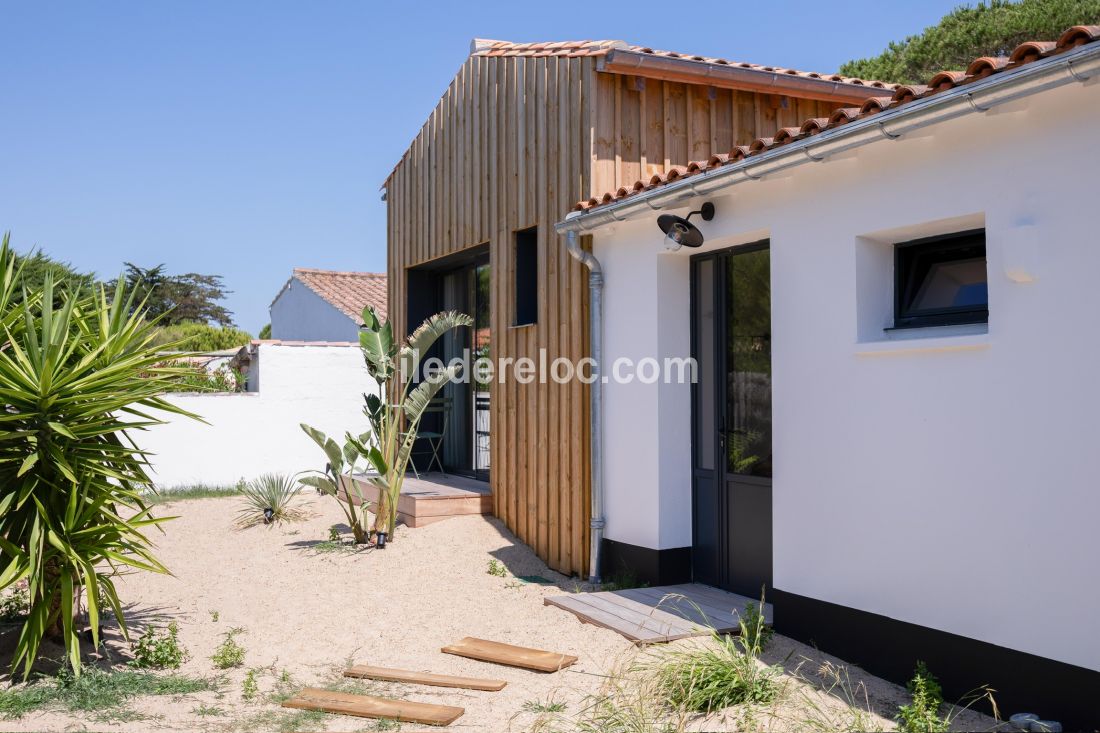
{"x":466,"y":445}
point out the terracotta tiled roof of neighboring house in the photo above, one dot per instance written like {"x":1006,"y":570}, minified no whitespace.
{"x":349,"y":292}
{"x":903,"y":94}
{"x":571,"y":49}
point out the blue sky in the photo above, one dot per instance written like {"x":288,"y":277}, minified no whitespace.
{"x":247,"y":138}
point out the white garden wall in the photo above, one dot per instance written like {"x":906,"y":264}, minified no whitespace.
{"x":251,"y":433}
{"x":947,"y":480}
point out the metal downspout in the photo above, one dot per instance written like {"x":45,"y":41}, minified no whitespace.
{"x":595,"y":395}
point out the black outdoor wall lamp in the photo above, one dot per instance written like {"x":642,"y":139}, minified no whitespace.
{"x":679,"y":232}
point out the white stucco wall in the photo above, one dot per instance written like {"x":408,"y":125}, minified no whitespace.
{"x":945,"y":481}
{"x":258,"y":432}
{"x":300,"y":314}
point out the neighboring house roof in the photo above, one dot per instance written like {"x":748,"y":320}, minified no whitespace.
{"x":348,"y":292}
{"x":573,"y":49}
{"x":980,"y":68}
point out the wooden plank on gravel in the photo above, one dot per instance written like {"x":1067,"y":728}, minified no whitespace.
{"x":423,"y":678}
{"x":662,"y":623}
{"x":513,"y":656}
{"x":368,"y":706}
{"x":639,"y":630}
{"x":733,"y":603}
{"x":697,"y":610}
{"x":646,"y":610}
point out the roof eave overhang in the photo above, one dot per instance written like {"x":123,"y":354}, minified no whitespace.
{"x":730,"y":76}
{"x":1078,"y":65}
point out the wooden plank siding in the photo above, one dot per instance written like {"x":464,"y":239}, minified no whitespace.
{"x":499,"y":154}
{"x":513,"y":143}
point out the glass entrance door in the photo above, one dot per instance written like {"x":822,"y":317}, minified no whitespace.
{"x":731,"y":411}
{"x":466,"y":443}
{"x":481,"y":390}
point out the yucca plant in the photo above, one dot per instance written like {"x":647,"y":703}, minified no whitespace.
{"x":77,"y":372}
{"x":394,"y":411}
{"x":268,"y":500}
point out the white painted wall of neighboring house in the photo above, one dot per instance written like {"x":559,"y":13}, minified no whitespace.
{"x":945,"y":480}
{"x":300,"y":314}
{"x":251,"y":433}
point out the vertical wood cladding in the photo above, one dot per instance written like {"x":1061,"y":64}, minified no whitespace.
{"x":513,"y":144}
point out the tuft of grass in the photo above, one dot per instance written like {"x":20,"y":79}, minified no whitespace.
{"x":249,"y":687}
{"x":755,"y":632}
{"x":550,"y":706}
{"x":95,"y":691}
{"x":196,"y":491}
{"x":283,"y":721}
{"x":208,"y":711}
{"x":386,"y":724}
{"x":710,"y":678}
{"x":16,"y":702}
{"x":496,"y":568}
{"x":628,"y":702}
{"x":268,"y":499}
{"x":229,"y":653}
{"x":337,"y":546}
{"x":214,"y":616}
{"x":156,"y":650}
{"x":300,"y":720}
{"x":723,"y":673}
{"x":811,"y":710}
{"x":922,"y":715}
{"x":622,"y":580}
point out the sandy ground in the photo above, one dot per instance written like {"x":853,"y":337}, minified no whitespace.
{"x":306,"y":614}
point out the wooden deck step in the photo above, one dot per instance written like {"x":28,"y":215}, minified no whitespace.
{"x":368,"y":706}
{"x":655,"y":615}
{"x":423,"y":678}
{"x":507,"y":654}
{"x":431,"y":498}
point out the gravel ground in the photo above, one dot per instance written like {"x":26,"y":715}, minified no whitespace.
{"x":306,"y":613}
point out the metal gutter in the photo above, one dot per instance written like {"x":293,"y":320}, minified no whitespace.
{"x":628,"y":61}
{"x":1078,"y":65}
{"x":595,"y":397}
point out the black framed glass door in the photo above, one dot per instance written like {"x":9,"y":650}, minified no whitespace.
{"x":466,"y":445}
{"x":731,"y":416}
{"x":460,"y":283}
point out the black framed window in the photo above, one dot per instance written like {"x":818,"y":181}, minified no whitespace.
{"x":941,"y":281}
{"x":527,"y":277}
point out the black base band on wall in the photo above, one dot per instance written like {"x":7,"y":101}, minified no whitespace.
{"x":890,"y":648}
{"x":655,"y":567}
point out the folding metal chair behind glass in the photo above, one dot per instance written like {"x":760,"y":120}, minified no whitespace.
{"x":438,"y":406}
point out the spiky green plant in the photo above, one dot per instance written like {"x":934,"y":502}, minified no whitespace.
{"x":342,"y":460}
{"x":268,"y":500}
{"x":78,"y":373}
{"x":725,"y":671}
{"x":394,"y":411}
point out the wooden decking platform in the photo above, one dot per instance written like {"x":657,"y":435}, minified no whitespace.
{"x":654,"y":615}
{"x":433,"y":497}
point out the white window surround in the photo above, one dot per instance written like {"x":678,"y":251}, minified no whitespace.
{"x":875,"y":282}
{"x":968,"y":337}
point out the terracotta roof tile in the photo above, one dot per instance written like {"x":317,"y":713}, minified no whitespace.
{"x":980,"y":68}
{"x":349,"y":292}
